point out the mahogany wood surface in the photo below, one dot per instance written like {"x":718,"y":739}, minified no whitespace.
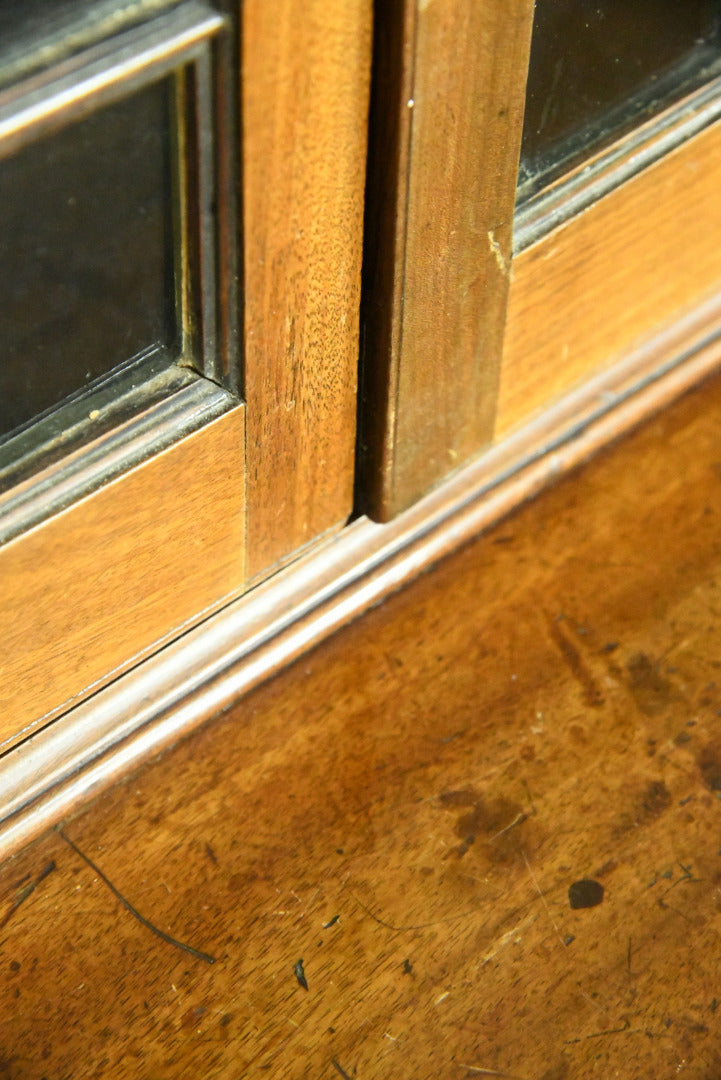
{"x":596,"y":287}
{"x":305,"y":84}
{"x":448,"y":97}
{"x":99,"y":585}
{"x":381,"y":848}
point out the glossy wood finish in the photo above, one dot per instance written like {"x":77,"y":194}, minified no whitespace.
{"x":406,"y":809}
{"x":597,"y":286}
{"x":305,"y":84}
{"x":446,"y":122}
{"x":99,"y":585}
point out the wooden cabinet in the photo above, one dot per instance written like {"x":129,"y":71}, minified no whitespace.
{"x":137,"y":510}
{"x":160,"y":555}
{"x":489,"y":327}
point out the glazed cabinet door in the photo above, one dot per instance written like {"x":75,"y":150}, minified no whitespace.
{"x":505,"y":307}
{"x":181,"y":188}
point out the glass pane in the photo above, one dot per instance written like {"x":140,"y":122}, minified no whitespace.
{"x":86,"y":252}
{"x":37,"y":33}
{"x":598,"y":67}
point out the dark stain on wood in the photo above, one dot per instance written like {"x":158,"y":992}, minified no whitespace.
{"x":495,"y":823}
{"x":299,"y":972}
{"x":709,"y":763}
{"x":655,"y":800}
{"x":585,"y":893}
{"x":652,"y":691}
{"x":592,"y":695}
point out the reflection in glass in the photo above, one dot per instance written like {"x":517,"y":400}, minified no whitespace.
{"x":86,"y":252}
{"x":599,"y":67}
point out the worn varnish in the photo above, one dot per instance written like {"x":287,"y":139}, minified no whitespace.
{"x":403,"y":814}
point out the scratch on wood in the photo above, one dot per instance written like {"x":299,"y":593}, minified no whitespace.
{"x":577,"y":666}
{"x":133,"y":911}
{"x":25,"y":892}
{"x":498,"y":255}
{"x":609,"y":1031}
{"x":478,"y":1071}
{"x":412,"y":926}
{"x":339,"y":1069}
{"x":564,"y":941}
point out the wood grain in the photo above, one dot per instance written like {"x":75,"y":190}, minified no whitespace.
{"x":305,"y":85}
{"x":446,"y":128}
{"x":596,"y":287}
{"x":406,"y":810}
{"x":96,"y":587}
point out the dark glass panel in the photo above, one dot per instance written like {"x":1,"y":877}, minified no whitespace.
{"x":598,"y":67}
{"x":86,"y":252}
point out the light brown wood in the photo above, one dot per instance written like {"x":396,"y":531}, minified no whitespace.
{"x":446,"y":122}
{"x":96,"y":587}
{"x":305,"y":84}
{"x":596,"y":287}
{"x":540,"y":709}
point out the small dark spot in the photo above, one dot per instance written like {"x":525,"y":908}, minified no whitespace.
{"x":709,"y":762}
{"x":407,"y":967}
{"x":14,"y":965}
{"x":211,"y":854}
{"x":331,"y":922}
{"x":682,"y":738}
{"x":714,"y":1005}
{"x":569,"y":939}
{"x":300,"y":974}
{"x":225,"y":1019}
{"x":331,"y":1031}
{"x":655,"y":799}
{"x":585,"y":893}
{"x":339,"y":851}
{"x":503,"y":540}
{"x":607,"y":867}
{"x":192,"y":1016}
{"x":650,"y":689}
{"x":610,"y":647}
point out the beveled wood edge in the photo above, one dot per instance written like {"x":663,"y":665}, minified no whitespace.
{"x":153,"y":428}
{"x":448,"y":97}
{"x":199,"y":676}
{"x":613,"y":166}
